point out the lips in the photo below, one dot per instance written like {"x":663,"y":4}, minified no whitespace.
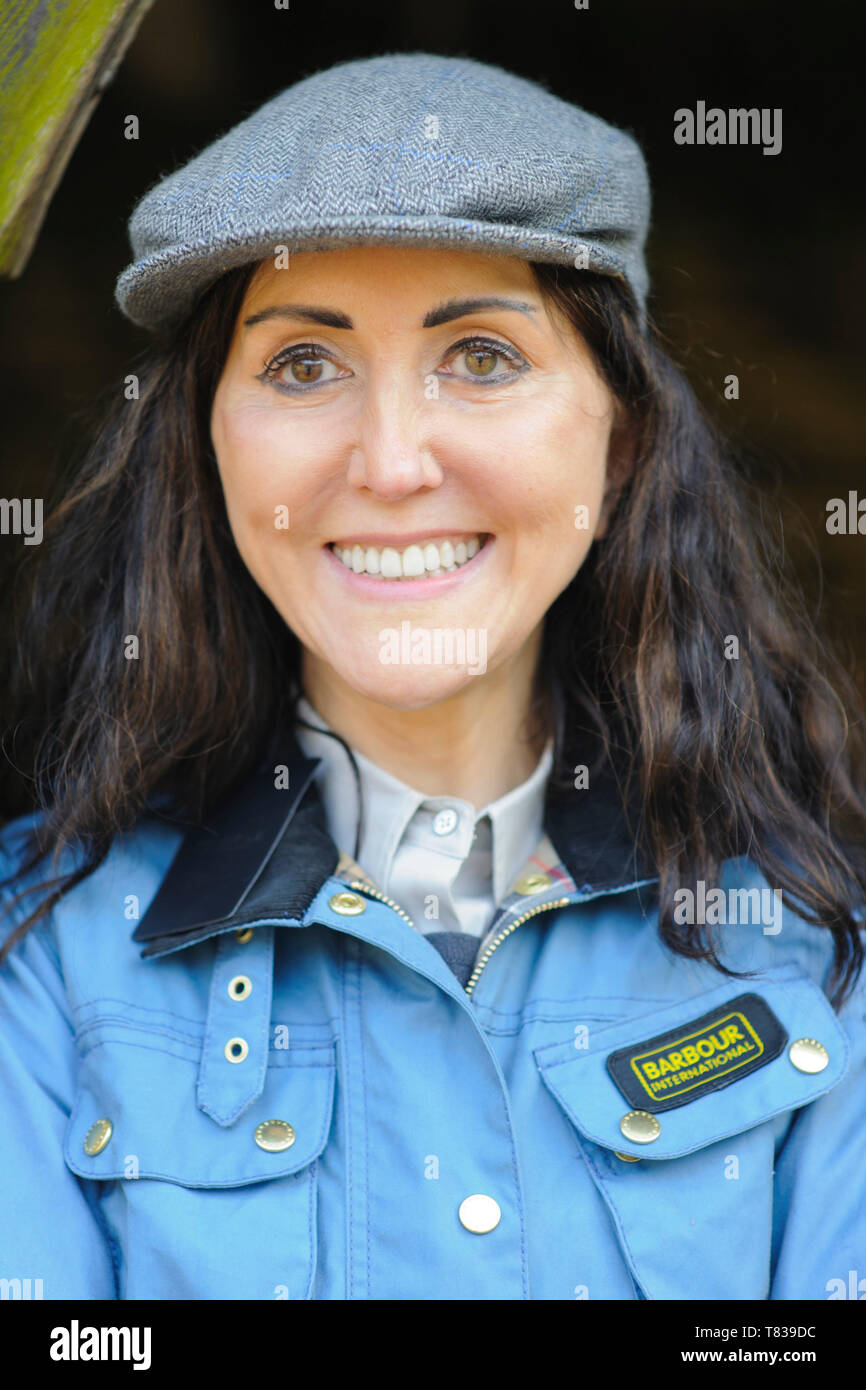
{"x":422,"y":559}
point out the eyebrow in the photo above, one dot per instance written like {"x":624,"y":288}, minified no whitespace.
{"x":443,"y":313}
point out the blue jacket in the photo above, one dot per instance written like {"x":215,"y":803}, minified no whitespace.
{"x":229,"y":1073}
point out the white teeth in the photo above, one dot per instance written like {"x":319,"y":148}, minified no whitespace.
{"x":431,"y":558}
{"x":413,"y":562}
{"x":391,"y":567}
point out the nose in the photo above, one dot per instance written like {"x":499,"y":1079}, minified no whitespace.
{"x":392,"y":456}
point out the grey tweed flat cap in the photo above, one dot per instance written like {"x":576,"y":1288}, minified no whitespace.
{"x":401,"y":149}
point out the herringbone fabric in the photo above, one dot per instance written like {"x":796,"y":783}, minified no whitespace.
{"x":400,"y":149}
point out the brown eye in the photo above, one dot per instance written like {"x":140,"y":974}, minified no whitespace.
{"x":304,"y":370}
{"x":484,"y":359}
{"x":304,"y":362}
{"x":481,"y":361}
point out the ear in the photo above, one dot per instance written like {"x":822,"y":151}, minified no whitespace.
{"x":621,"y":454}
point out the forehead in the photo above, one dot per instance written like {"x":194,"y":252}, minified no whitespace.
{"x":378,"y":273}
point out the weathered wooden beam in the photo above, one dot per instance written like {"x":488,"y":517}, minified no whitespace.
{"x":56,"y":59}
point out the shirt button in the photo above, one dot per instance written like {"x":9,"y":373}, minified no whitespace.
{"x":532,"y":883}
{"x":479,"y":1213}
{"x":274,"y":1135}
{"x":807,"y":1054}
{"x":445,"y":821}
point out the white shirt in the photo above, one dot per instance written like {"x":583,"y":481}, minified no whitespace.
{"x":446,"y":864}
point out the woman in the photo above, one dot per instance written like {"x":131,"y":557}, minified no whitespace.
{"x":462,"y":827}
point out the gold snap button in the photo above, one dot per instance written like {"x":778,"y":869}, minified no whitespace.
{"x":640,"y":1126}
{"x":236,"y":1049}
{"x":626,"y":1158}
{"x":807,"y":1054}
{"x":479,"y":1213}
{"x":274,"y":1135}
{"x":532,"y":883}
{"x":243,"y":935}
{"x":240,"y":987}
{"x":97,"y":1136}
{"x":347,"y":904}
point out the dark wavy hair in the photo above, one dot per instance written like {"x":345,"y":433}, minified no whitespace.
{"x":762,"y":755}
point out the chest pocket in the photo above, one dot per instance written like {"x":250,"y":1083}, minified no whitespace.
{"x":691,"y":1193}
{"x":194,"y":1208}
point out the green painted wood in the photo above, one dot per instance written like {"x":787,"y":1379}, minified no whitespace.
{"x":56,"y":59}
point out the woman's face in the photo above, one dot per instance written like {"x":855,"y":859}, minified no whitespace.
{"x":401,"y":457}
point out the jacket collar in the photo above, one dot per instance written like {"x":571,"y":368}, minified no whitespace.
{"x":265,"y":851}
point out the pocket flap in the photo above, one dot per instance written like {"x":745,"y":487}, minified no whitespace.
{"x":148,"y":1097}
{"x":704,"y":1068}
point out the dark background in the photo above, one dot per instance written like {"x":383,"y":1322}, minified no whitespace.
{"x":752,"y":257}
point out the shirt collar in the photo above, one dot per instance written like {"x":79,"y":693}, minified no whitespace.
{"x":389,"y":806}
{"x":264,"y":852}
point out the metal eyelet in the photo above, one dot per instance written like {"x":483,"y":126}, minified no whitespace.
{"x":236,"y":1049}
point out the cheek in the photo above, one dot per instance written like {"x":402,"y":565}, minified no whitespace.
{"x":555,"y":493}
{"x":548,"y":471}
{"x":259,"y":476}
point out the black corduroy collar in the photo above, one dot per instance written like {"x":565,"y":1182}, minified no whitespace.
{"x":265,"y":851}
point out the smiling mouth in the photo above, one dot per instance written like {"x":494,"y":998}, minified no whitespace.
{"x":423,"y":560}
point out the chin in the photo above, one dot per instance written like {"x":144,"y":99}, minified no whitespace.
{"x":410,"y":688}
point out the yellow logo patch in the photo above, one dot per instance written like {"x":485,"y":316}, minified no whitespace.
{"x":702,"y":1055}
{"x":673,"y":1069}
